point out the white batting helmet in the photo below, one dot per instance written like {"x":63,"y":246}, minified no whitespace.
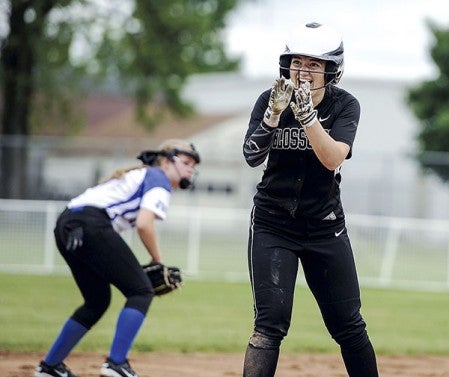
{"x":316,"y":41}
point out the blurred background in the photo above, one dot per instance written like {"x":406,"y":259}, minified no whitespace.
{"x":88,"y":84}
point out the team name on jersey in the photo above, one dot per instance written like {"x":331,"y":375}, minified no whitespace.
{"x":291,"y":138}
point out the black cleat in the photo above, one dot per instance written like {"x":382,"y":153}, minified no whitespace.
{"x":111,"y":369}
{"x":58,"y":370}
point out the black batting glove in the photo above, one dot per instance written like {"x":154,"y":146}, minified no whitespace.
{"x":74,"y":239}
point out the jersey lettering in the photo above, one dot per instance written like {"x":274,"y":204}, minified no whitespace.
{"x":291,"y":138}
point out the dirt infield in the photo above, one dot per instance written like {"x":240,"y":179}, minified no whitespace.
{"x":227,"y":365}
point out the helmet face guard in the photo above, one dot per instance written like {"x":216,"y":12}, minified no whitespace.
{"x":316,"y":41}
{"x":191,"y":153}
{"x":150,"y":157}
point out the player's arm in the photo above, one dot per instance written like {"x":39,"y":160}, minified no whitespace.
{"x":257,"y":144}
{"x":330,"y":152}
{"x":264,"y":120}
{"x":146,"y":229}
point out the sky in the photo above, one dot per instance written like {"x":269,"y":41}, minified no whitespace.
{"x":383,"y":38}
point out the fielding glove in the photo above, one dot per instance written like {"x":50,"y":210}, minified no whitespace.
{"x":164,"y":279}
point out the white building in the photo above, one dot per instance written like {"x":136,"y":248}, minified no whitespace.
{"x":381,"y":178}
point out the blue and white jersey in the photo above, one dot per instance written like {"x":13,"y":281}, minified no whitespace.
{"x":148,"y":188}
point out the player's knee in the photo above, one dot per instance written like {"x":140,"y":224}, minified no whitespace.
{"x":352,"y":339}
{"x":351,"y":333}
{"x":259,"y":340}
{"x":275,"y":325}
{"x":140,"y":302}
{"x":274,"y":315}
{"x":345,"y":323}
{"x":89,"y":314}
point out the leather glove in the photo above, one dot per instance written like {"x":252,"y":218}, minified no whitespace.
{"x":280,"y":97}
{"x":303,"y":109}
{"x":164,"y":279}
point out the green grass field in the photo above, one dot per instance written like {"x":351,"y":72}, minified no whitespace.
{"x":216,"y":317}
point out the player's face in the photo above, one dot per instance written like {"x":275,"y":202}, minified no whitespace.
{"x":179,"y":168}
{"x":304,"y":68}
{"x":185,"y":166}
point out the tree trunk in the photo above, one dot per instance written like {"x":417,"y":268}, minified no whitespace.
{"x":18,"y":64}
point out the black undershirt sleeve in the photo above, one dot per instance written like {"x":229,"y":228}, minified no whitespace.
{"x":259,"y":137}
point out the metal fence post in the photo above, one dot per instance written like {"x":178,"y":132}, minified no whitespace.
{"x":391,"y":248}
{"x":193,"y":243}
{"x":49,"y":245}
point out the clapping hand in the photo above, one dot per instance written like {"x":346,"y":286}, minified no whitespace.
{"x":280,"y":97}
{"x":302,"y":107}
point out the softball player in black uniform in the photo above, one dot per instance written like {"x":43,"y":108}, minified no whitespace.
{"x":303,"y":129}
{"x":87,"y":236}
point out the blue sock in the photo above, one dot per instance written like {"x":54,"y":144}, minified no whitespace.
{"x":128,"y":324}
{"x":70,"y":335}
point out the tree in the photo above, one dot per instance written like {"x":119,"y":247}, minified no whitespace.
{"x":164,"y":43}
{"x":151,"y":47}
{"x":429,"y":101}
{"x":18,"y":62}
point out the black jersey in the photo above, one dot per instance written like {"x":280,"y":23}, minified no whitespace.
{"x":294,"y":181}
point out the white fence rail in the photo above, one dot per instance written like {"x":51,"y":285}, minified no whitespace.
{"x":210,"y":243}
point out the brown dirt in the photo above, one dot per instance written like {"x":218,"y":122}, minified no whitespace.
{"x":227,"y":365}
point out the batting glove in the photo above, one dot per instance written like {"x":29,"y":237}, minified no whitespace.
{"x":74,"y":239}
{"x":280,"y":96}
{"x":303,"y":107}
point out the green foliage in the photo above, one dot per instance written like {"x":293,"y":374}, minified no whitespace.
{"x":164,"y":43}
{"x":429,"y":101}
{"x":216,"y":317}
{"x":37,"y":78}
{"x":57,"y":81}
{"x":56,"y":50}
{"x":65,"y":47}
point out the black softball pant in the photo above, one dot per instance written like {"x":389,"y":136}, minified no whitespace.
{"x":103,"y":260}
{"x":274,"y":253}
